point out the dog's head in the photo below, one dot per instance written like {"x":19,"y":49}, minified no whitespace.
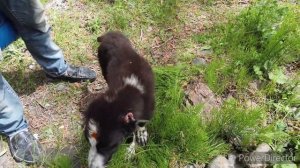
{"x":113,"y":40}
{"x":109,"y":120}
{"x":104,"y":143}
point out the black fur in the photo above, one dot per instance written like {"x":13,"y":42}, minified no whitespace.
{"x":119,"y":60}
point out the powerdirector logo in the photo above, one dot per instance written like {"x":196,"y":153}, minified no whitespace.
{"x":266,"y":157}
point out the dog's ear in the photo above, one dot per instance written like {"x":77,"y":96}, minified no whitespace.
{"x":128,"y":118}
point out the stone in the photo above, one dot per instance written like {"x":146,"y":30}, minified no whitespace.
{"x":195,"y":166}
{"x":199,"y":61}
{"x":205,"y":52}
{"x":61,"y":87}
{"x":263,"y":148}
{"x":199,"y":93}
{"x":259,"y":152}
{"x":219,"y":162}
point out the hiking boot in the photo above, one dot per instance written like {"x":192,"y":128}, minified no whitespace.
{"x":76,"y":74}
{"x":25,"y":148}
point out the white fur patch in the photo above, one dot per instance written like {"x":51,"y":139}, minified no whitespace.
{"x":134,"y":81}
{"x":95,"y":159}
{"x":92,"y":130}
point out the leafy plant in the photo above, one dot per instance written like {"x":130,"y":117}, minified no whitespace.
{"x":257,"y":41}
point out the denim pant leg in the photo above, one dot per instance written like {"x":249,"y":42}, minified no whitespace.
{"x":11,"y":110}
{"x":29,"y":20}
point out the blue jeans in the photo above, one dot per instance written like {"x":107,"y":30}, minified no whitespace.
{"x":27,"y":17}
{"x":11,"y":110}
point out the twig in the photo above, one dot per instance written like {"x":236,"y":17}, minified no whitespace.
{"x":40,"y":104}
{"x":141,"y":35}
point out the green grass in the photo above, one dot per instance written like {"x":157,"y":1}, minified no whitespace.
{"x":237,"y":124}
{"x":60,"y":161}
{"x":254,"y":43}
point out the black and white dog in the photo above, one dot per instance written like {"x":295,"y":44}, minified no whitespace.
{"x":124,"y":109}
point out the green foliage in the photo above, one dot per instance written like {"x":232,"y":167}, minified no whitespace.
{"x":237,"y":124}
{"x":285,"y":165}
{"x":215,"y":80}
{"x":121,"y":16}
{"x":60,"y":161}
{"x":94,"y":26}
{"x":125,"y":14}
{"x":284,"y":101}
{"x":275,"y":135}
{"x":44,"y":1}
{"x":163,"y":11}
{"x":257,"y":41}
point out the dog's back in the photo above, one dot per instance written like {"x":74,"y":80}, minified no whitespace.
{"x":120,"y":64}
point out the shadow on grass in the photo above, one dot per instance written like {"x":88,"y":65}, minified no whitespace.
{"x":25,"y":83}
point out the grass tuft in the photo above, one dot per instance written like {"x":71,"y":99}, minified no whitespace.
{"x":239,"y":125}
{"x":60,"y":161}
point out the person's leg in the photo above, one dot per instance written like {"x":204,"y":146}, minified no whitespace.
{"x":29,"y":20}
{"x":11,"y":110}
{"x":23,"y":146}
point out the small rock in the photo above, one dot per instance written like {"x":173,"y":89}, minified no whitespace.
{"x":61,"y":87}
{"x":253,"y":86}
{"x":219,"y":162}
{"x":199,"y":93}
{"x":206,"y":52}
{"x":258,"y":156}
{"x":195,"y":166}
{"x":47,"y":105}
{"x":149,"y":29}
{"x":233,"y":161}
{"x":199,"y":61}
{"x":263,"y":148}
{"x":32,"y":66}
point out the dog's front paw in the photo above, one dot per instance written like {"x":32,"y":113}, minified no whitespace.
{"x":141,"y":136}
